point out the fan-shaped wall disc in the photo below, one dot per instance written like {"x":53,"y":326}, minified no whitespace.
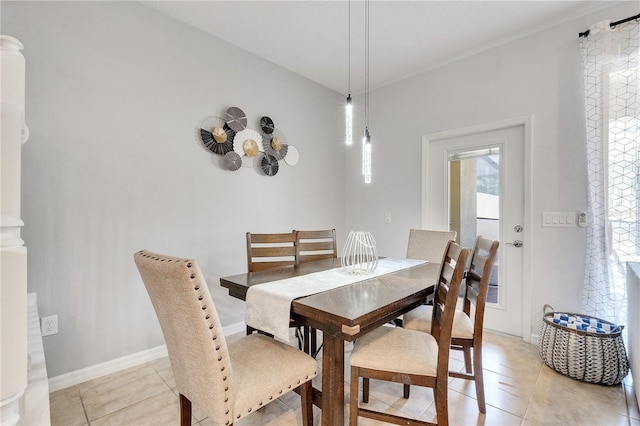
{"x":211,"y":122}
{"x":232,"y":161}
{"x":230,"y":132}
{"x":266,"y":124}
{"x":236,"y":119}
{"x":207,"y":138}
{"x":276,"y":145}
{"x":269,"y":165}
{"x":276,"y":148}
{"x":207,"y":126}
{"x":277,"y":133}
{"x":279,"y":137}
{"x":212,"y":145}
{"x":250,"y":148}
{"x":293,"y":156}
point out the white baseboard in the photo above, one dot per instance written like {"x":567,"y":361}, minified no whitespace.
{"x":535,"y":338}
{"x":93,"y":372}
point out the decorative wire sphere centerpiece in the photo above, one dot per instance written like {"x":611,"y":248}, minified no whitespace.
{"x":360,"y":256}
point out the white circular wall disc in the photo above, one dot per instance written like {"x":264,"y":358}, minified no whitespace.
{"x":293,"y":156}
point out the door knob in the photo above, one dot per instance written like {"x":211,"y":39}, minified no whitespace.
{"x":516,"y":243}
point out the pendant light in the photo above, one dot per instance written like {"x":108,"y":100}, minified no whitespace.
{"x":366,"y":156}
{"x":348,"y":125}
{"x":366,"y":139}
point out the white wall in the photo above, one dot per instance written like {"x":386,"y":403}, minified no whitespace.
{"x":115,"y":92}
{"x":537,"y":76}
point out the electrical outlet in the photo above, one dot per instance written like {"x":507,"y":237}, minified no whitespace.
{"x":49,"y":325}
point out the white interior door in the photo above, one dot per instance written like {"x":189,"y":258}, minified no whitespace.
{"x":498,"y":215}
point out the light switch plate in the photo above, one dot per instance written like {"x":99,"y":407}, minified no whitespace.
{"x":559,"y":219}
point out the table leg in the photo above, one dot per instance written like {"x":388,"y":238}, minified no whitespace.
{"x":332,"y":381}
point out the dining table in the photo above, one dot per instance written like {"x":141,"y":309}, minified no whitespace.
{"x":344,"y":314}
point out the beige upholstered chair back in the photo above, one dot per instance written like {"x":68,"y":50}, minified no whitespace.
{"x":192,"y":331}
{"x":428,"y":245}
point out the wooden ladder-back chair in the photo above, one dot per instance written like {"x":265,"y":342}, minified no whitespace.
{"x":312,"y":246}
{"x":227,"y":382}
{"x":467,"y":323}
{"x":266,"y":251}
{"x":316,"y":245}
{"x":408,"y":356}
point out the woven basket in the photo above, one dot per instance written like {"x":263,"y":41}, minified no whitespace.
{"x":593,"y":357}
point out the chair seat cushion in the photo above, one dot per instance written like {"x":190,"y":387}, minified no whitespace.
{"x":420,"y":319}
{"x":397,"y":350}
{"x":258,"y":376}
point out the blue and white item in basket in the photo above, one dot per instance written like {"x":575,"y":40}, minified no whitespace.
{"x":577,"y":322}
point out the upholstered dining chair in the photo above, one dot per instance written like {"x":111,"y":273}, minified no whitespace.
{"x":428,"y":244}
{"x":311,"y":246}
{"x":227,"y":382}
{"x":467,"y":323}
{"x":408,"y":356}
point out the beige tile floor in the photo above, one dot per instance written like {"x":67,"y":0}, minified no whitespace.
{"x":520,"y":390}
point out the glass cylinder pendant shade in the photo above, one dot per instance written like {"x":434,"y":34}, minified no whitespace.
{"x":366,"y":156}
{"x":348,"y":125}
{"x":360,"y":255}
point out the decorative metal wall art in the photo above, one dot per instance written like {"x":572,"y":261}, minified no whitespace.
{"x":240,"y":146}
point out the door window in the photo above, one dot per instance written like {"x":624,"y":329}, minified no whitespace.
{"x":474,"y":202}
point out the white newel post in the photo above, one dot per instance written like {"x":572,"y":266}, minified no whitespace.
{"x":13,"y":253}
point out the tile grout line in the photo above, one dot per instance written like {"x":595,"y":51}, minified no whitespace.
{"x":533,"y":391}
{"x":84,"y":409}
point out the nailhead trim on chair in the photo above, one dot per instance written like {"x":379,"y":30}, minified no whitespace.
{"x":207,"y":317}
{"x":281,"y":391}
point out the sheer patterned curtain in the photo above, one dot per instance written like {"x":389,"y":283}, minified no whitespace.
{"x":611,"y":64}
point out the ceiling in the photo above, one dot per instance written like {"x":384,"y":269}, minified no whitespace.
{"x":311,"y":38}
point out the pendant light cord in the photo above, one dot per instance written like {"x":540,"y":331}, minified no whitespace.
{"x":349,"y":62}
{"x":366,"y":64}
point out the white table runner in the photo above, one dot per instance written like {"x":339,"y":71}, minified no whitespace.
{"x":269,"y":304}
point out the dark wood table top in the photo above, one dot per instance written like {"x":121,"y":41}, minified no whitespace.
{"x":344,"y":309}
